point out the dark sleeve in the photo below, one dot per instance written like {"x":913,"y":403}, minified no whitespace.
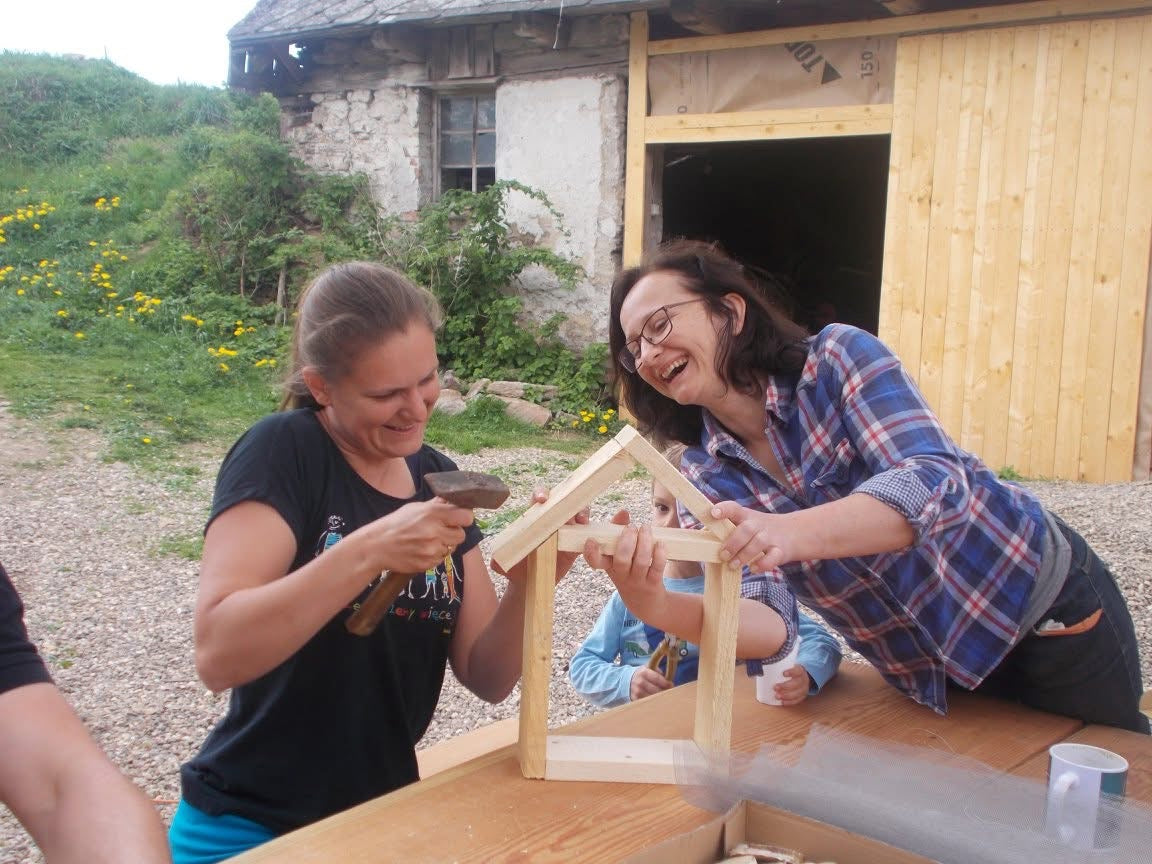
{"x":20,"y":663}
{"x":269,"y":464}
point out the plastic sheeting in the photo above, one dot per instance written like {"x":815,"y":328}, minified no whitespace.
{"x":945,"y":807}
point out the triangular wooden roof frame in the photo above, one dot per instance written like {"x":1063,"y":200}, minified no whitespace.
{"x":538,"y":535}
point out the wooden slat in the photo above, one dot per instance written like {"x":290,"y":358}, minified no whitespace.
{"x":668,"y":133}
{"x":635,"y":150}
{"x":671,"y":479}
{"x":539,"y":601}
{"x":612,"y":760}
{"x":601,"y":470}
{"x":1115,"y":173}
{"x":918,"y":201}
{"x":680,"y":544}
{"x":894,"y":277}
{"x":1058,"y":244}
{"x":960,"y":19}
{"x":470,"y":745}
{"x":1031,"y":304}
{"x":994,"y":130}
{"x":963,"y":237}
{"x":941,"y":216}
{"x":1134,"y":278}
{"x":712,"y":729}
{"x":1085,"y":233}
{"x":1021,"y":87}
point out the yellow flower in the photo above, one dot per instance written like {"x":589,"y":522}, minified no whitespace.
{"x":223,"y":367}
{"x":63,"y":313}
{"x":575,"y":423}
{"x":87,"y":408}
{"x":79,"y":335}
{"x":35,"y":226}
{"x":602,"y":429}
{"x":146,"y":440}
{"x":19,"y":292}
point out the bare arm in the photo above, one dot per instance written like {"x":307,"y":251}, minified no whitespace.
{"x":252,"y":614}
{"x":74,"y":802}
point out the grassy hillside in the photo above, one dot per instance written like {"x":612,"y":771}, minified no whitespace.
{"x":144,"y":230}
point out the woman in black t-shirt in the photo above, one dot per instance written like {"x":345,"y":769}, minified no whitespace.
{"x":311,"y":505}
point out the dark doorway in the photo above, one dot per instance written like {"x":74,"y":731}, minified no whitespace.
{"x":810,"y":212}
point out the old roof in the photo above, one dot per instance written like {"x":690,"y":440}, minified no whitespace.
{"x":272,"y":19}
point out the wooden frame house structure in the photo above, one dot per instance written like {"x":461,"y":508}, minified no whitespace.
{"x":538,"y":535}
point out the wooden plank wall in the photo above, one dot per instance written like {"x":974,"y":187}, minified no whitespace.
{"x":1017,"y":238}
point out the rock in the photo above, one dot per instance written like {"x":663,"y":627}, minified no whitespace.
{"x":525,"y":412}
{"x":451,"y":402}
{"x":522,"y":390}
{"x":478,"y":387}
{"x":449,"y":381}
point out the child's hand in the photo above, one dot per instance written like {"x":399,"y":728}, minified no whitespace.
{"x":794,"y":690}
{"x":647,"y":681}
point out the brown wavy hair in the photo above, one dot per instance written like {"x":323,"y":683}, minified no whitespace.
{"x":344,"y":310}
{"x":768,"y":344}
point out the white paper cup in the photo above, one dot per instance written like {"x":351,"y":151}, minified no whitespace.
{"x":1085,"y":786}
{"x":773,"y":674}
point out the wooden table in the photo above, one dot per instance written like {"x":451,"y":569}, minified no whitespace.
{"x":484,"y":811}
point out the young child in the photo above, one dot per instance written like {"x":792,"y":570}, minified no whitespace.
{"x":644,"y":651}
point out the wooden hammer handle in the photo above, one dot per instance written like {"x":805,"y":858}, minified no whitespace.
{"x":363,"y":621}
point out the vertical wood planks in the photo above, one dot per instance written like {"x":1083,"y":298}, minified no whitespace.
{"x":539,"y":600}
{"x":635,"y":176}
{"x":712,"y":730}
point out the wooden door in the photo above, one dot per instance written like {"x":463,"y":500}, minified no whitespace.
{"x":1017,"y":238}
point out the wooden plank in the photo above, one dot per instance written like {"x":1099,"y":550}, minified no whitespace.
{"x":612,"y":760}
{"x":1073,"y":60}
{"x":961,"y":245}
{"x":894,"y":276}
{"x":1031,"y":306}
{"x":877,"y":124}
{"x":941,"y":216}
{"x":1021,"y":87}
{"x":1132,"y":313}
{"x":671,"y":479}
{"x":1085,"y":234}
{"x":540,"y":521}
{"x":680,"y":544}
{"x":539,"y":601}
{"x":670,"y":123}
{"x":994,"y":130}
{"x":470,"y":745}
{"x":933,"y":22}
{"x":712,"y":729}
{"x":918,"y":201}
{"x":635,"y":147}
{"x":1103,"y":329}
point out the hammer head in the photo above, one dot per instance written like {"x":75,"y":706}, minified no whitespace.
{"x":471,"y":489}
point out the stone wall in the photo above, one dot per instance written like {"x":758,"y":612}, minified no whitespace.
{"x":560,"y":127}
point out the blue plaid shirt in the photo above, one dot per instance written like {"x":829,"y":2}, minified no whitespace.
{"x":949,"y":605}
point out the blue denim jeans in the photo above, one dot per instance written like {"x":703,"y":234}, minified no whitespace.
{"x":1094,"y":675}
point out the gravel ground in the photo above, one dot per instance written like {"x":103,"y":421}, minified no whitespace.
{"x":86,"y":542}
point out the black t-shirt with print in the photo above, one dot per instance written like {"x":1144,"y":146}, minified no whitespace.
{"x":336,"y":724}
{"x":20,"y":664}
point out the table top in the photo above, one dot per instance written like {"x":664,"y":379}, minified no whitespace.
{"x":483,"y":810}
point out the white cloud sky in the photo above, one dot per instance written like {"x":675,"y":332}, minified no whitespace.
{"x":162,"y":40}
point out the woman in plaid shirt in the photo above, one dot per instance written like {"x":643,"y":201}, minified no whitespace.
{"x":841,"y":480}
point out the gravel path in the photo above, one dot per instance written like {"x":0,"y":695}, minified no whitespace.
{"x":85,"y":542}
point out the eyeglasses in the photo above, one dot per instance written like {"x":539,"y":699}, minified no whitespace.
{"x":656,"y":328}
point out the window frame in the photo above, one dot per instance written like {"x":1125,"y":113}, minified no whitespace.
{"x":475,"y":94}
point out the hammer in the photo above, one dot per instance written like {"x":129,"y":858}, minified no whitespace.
{"x":470,"y":489}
